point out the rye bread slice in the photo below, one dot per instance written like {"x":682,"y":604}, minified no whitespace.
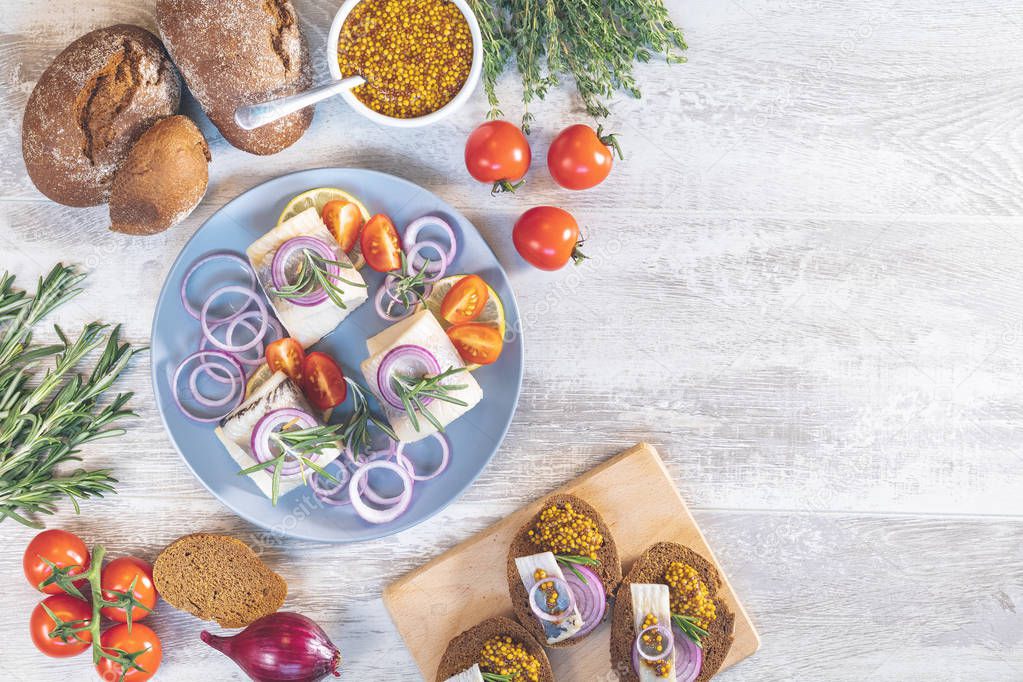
{"x":217,"y":577}
{"x":650,"y":568}
{"x":609,"y":571}
{"x":464,"y":650}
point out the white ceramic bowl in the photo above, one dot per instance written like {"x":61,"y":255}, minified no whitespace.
{"x":456,"y":102}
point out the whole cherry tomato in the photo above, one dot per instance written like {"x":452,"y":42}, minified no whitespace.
{"x":323,"y":382}
{"x":497,"y":152}
{"x":547,"y":237}
{"x":380,"y":246}
{"x":61,"y":640}
{"x":580,"y":158}
{"x":126,"y":575}
{"x":286,"y":355}
{"x":140,"y":639}
{"x":54,"y":548}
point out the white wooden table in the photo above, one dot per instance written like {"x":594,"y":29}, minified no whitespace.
{"x":805,"y":291}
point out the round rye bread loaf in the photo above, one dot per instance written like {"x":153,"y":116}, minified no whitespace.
{"x":238,"y":52}
{"x":88,"y":108}
{"x":650,"y":568}
{"x":609,"y":571}
{"x":463,"y":651}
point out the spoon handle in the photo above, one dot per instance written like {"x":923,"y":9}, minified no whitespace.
{"x":256,"y":115}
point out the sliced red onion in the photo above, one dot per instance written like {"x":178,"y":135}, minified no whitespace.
{"x":208,"y":332}
{"x":415,"y":360}
{"x":445,"y":456}
{"x":380,"y":515}
{"x":562,"y":588}
{"x":219,"y":374}
{"x":411,"y":236}
{"x":381,"y":308}
{"x":234,"y":397}
{"x":226,"y":255}
{"x":243,"y":321}
{"x":279,"y":267}
{"x":434,"y":269}
{"x":688,"y":657}
{"x":590,"y":598}
{"x":264,"y":429}
{"x":665,"y":632}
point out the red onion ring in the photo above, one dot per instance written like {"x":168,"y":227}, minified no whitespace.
{"x":426,"y":360}
{"x":260,"y":440}
{"x":205,"y":323}
{"x":434,"y":270}
{"x":411,"y":236}
{"x":590,"y":598}
{"x":688,"y":657}
{"x":237,"y":388}
{"x":189,"y":308}
{"x":662,"y":630}
{"x":370,"y":514}
{"x":561,"y":587}
{"x":378,"y":305}
{"x":279,"y":264}
{"x":232,"y":325}
{"x":215,"y":372}
{"x":445,"y":449}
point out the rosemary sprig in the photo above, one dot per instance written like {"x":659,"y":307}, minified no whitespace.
{"x":570,"y":561}
{"x":298,"y":444}
{"x":407,"y":287}
{"x":689,"y":627}
{"x":412,"y":390}
{"x":495,"y":677}
{"x":313,"y":274}
{"x":355,"y":431}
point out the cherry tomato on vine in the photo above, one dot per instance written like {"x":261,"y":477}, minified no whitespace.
{"x":140,"y":639}
{"x":344,"y":220}
{"x":117,"y":577}
{"x":57,"y":547}
{"x":547,"y":237}
{"x":497,"y":152}
{"x":380,"y":246}
{"x":323,"y":382}
{"x":479,"y":344}
{"x":72,"y":613}
{"x":286,"y":355}
{"x":465,"y":300}
{"x":580,"y":158}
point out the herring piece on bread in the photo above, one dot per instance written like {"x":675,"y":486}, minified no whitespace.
{"x":559,"y":511}
{"x":530,"y":568}
{"x":238,"y":52}
{"x":651,"y":605}
{"x":89,"y":107}
{"x":473,"y":674}
{"x":652,"y":567}
{"x":217,"y":577}
{"x":307,"y":324}
{"x":467,"y":650}
{"x":162,"y":180}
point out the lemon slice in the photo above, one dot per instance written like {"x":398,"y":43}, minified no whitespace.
{"x":318,"y":198}
{"x":258,"y":378}
{"x":493,"y":311}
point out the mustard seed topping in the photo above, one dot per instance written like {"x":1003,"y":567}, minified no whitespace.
{"x":654,"y":643}
{"x":690,"y":595}
{"x":502,"y":655}
{"x":563,"y":530}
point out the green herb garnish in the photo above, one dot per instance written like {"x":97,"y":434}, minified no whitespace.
{"x":688,"y":626}
{"x":570,"y":561}
{"x":314,"y":274}
{"x":354,"y":432}
{"x":407,"y":288}
{"x":412,"y":390}
{"x":298,"y":444}
{"x":494,"y":677}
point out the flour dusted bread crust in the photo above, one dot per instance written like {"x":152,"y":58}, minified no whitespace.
{"x":163,"y":179}
{"x":88,"y":108}
{"x":650,"y":568}
{"x":238,"y":52}
{"x":463,"y":651}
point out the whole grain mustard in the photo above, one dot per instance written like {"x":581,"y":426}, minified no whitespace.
{"x":690,"y":595}
{"x":563,"y":530}
{"x":502,"y":655}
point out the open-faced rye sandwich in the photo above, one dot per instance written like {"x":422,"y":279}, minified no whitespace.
{"x":496,"y":650}
{"x":669,"y":622}
{"x":562,"y":566}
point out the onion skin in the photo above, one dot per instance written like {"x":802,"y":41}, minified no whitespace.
{"x":281,"y":647}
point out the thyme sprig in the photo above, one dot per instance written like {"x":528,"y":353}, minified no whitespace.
{"x":570,"y":561}
{"x":314,"y":274}
{"x":355,"y":430}
{"x":689,"y":627}
{"x":412,"y":390}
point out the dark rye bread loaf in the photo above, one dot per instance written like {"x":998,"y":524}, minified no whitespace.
{"x":238,"y":52}
{"x":609,"y":571}
{"x":463,"y":651}
{"x":88,"y":108}
{"x":163,"y":179}
{"x":650,"y":568}
{"x":217,"y":577}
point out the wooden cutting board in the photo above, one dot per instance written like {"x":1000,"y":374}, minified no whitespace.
{"x":467,"y":584}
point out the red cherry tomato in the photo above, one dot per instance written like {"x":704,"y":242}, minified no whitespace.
{"x":59,"y":547}
{"x":580,"y":158}
{"x":286,"y":355}
{"x":117,"y":577}
{"x":497,"y":152}
{"x":73,"y":613}
{"x":380,"y":246}
{"x":477,"y":343}
{"x":344,"y":220}
{"x":140,"y":638}
{"x":547,"y":237}
{"x":323,"y":382}
{"x":465,"y":300}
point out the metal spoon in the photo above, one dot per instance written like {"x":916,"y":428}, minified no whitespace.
{"x":256,"y":115}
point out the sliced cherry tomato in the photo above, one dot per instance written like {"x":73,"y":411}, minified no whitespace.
{"x":286,"y":355}
{"x":465,"y":300}
{"x":61,"y":640}
{"x":126,"y":575}
{"x":547,"y":237}
{"x":344,"y":220}
{"x":478,"y":344}
{"x":580,"y":158}
{"x":380,"y":245}
{"x":57,"y":548}
{"x":139,"y":639}
{"x":497,"y":152}
{"x":323,"y":382}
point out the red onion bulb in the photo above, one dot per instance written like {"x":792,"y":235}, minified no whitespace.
{"x":281,"y":647}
